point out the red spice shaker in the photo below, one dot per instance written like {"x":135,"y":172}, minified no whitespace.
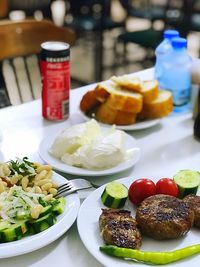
{"x":55,"y":73}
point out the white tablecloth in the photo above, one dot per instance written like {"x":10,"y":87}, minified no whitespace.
{"x":166,"y":148}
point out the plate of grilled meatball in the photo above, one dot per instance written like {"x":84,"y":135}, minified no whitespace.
{"x":161,"y":223}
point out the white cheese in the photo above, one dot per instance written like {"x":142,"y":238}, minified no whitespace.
{"x":69,"y":140}
{"x":86,"y":146}
{"x":104,"y":152}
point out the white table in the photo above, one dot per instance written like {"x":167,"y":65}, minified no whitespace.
{"x":166,"y":148}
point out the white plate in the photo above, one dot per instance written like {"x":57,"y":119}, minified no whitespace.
{"x":63,"y":167}
{"x":90,"y":235}
{"x":136,"y":126}
{"x":37,"y":241}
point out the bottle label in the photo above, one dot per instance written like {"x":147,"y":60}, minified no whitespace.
{"x":55,"y":89}
{"x":181,"y":97}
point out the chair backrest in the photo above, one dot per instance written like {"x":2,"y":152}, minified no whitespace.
{"x":90,"y":7}
{"x":20,"y":38}
{"x":4,"y":6}
{"x":19,"y":46}
{"x":30,"y":6}
{"x":179,"y":14}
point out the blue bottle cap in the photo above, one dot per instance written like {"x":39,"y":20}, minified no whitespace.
{"x":170,"y":34}
{"x":178,"y":42}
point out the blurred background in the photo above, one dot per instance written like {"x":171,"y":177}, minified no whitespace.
{"x":113,"y":37}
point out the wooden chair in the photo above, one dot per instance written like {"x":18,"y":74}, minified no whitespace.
{"x":20,"y":79}
{"x":145,"y":9}
{"x":29,"y":7}
{"x":4,"y":7}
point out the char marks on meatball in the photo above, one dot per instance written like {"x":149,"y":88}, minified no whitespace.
{"x":119,"y":228}
{"x":164,"y":217}
{"x":194,"y":202}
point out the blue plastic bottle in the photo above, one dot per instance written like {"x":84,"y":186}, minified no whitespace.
{"x":177,"y":74}
{"x":163,"y":48}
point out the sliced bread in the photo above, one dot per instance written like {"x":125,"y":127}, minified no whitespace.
{"x":118,"y":99}
{"x":128,"y":82}
{"x":149,"y":90}
{"x":89,"y":101}
{"x":160,"y":107}
{"x":106,"y":114}
{"x":101,"y":92}
{"x":116,"y":104}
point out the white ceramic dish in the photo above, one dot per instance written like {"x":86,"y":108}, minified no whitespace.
{"x":63,"y":167}
{"x":34,"y":242}
{"x":136,"y":126}
{"x":90,"y":235}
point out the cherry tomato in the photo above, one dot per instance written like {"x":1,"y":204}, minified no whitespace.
{"x":141,"y":189}
{"x":167,"y":186}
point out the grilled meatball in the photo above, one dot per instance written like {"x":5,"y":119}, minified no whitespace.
{"x":119,"y":228}
{"x":164,"y":217}
{"x":194,"y":202}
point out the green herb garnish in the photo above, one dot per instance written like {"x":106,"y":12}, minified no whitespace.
{"x":53,"y":202}
{"x":22,"y":166}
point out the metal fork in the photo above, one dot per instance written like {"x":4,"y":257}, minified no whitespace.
{"x":72,"y":186}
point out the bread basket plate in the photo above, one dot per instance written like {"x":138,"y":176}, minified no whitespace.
{"x":140,"y":125}
{"x":63,"y":167}
{"x":91,"y":209}
{"x":34,"y":242}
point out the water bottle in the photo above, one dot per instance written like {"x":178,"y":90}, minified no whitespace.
{"x":176,"y":75}
{"x":163,"y":48}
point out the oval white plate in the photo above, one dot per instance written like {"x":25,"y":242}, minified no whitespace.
{"x":136,"y":126}
{"x":34,"y":242}
{"x":91,"y":209}
{"x":63,"y":167}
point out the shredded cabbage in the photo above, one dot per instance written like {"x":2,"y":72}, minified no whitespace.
{"x":15,"y":201}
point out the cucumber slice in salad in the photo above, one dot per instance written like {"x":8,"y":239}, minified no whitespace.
{"x":114,"y":195}
{"x":42,"y":223}
{"x":46,"y":210}
{"x":188,"y":182}
{"x":4,"y":225}
{"x":60,"y":206}
{"x":13,"y":231}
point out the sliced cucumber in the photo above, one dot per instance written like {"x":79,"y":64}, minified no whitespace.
{"x":11,"y":234}
{"x":4,"y":225}
{"x":188,"y":182}
{"x":43,"y":223}
{"x":46,"y":210}
{"x":24,"y":226}
{"x":14,"y":231}
{"x":60,"y":206}
{"x":22,"y":215}
{"x":114,"y":195}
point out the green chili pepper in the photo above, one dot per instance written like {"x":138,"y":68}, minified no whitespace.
{"x":149,"y":257}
